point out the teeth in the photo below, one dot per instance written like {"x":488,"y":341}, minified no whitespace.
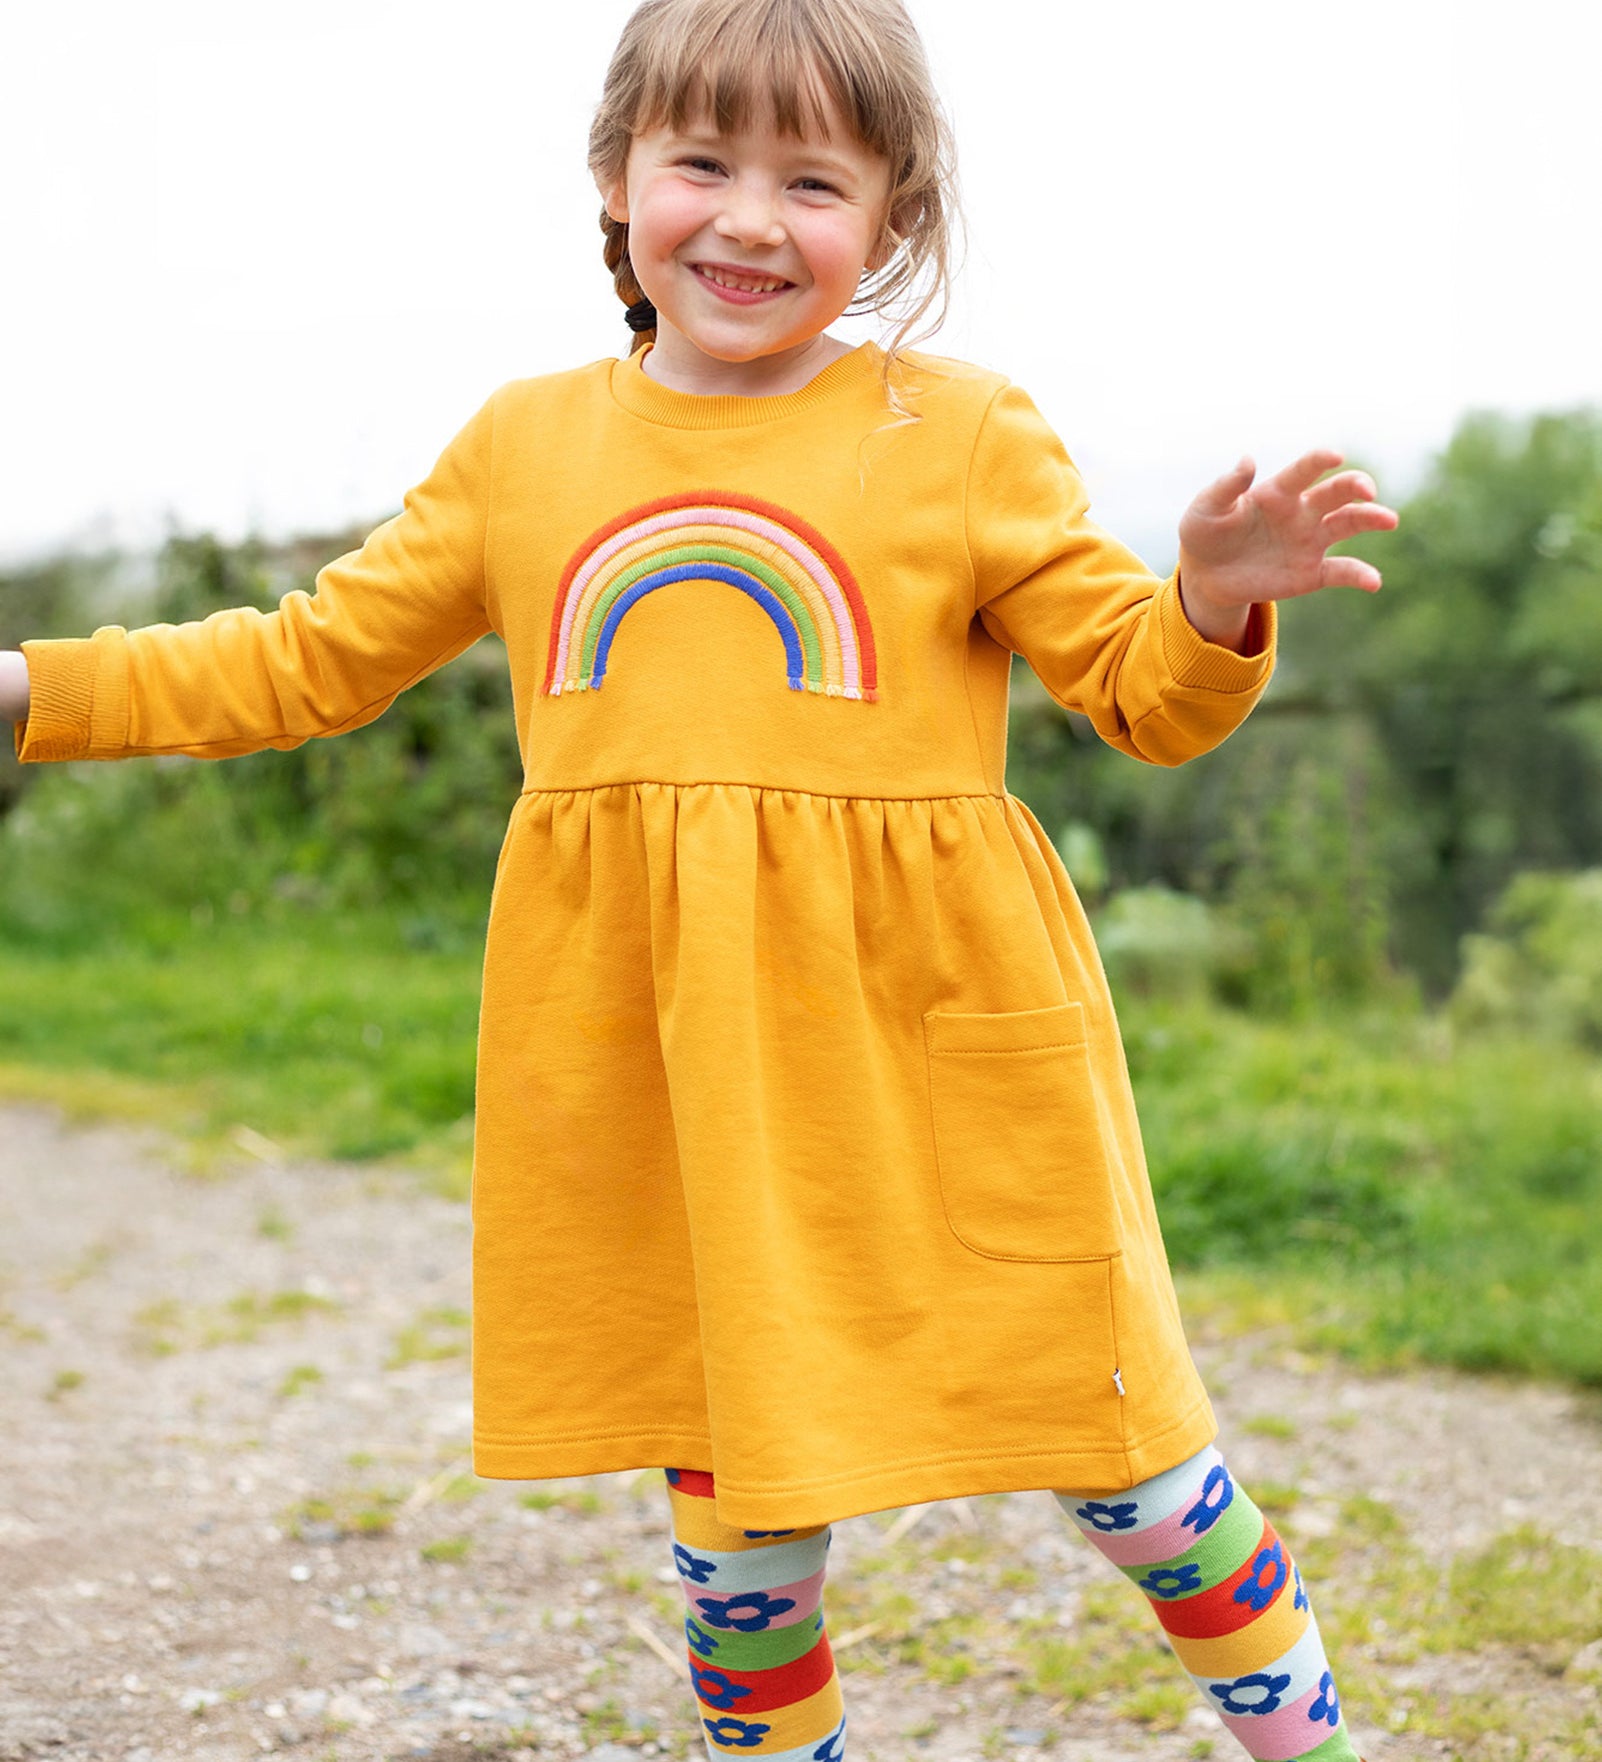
{"x":745,"y":284}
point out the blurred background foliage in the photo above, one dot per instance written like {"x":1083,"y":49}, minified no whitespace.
{"x":406,"y":814}
{"x":1357,"y":949}
{"x":1416,"y":751}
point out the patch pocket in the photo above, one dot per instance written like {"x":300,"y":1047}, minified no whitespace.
{"x":1018,"y":1143}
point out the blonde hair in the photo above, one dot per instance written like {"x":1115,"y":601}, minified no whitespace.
{"x":744,"y":61}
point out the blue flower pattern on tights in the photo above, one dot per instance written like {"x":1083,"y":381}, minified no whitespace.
{"x":698,"y":1639}
{"x":832,"y":1749}
{"x":754,"y":1535}
{"x":1217,"y":1495}
{"x":736,"y":1733}
{"x":1107,"y":1518}
{"x":717,"y":1690}
{"x":762,"y":1607}
{"x":1328,"y":1705}
{"x":1263,"y":1689}
{"x":691,"y":1566}
{"x":1172,"y":1581}
{"x":1300,"y":1600}
{"x":1267,"y":1576}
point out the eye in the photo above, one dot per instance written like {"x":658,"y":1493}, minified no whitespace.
{"x":816,"y":186}
{"x":705,"y":165}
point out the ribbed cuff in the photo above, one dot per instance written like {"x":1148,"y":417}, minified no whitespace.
{"x":1201,"y":665}
{"x":77,"y":698}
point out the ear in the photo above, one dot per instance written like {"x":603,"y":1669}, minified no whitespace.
{"x":884,"y":248}
{"x":615,"y":197}
{"x":890,"y":239}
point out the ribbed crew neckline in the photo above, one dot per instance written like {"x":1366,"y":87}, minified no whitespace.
{"x":676,"y":409}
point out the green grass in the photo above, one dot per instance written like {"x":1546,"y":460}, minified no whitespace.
{"x":167,"y":1326}
{"x":585,"y":1504}
{"x":1383,"y":1189}
{"x":1113,"y":1651}
{"x":348,"y":1511}
{"x":435,"y":1334}
{"x":1390,"y":1192}
{"x":1522,"y":1603}
{"x":1270,"y":1425}
{"x":327,"y":1037}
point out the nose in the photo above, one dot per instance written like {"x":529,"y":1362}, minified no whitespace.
{"x":749,"y":215}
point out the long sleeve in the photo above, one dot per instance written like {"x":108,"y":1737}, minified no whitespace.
{"x":381,"y":618}
{"x":1106,"y":636}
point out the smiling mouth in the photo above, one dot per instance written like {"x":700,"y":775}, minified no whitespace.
{"x":733,"y":282}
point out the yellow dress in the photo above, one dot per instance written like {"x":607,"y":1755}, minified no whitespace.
{"x":805,"y":1146}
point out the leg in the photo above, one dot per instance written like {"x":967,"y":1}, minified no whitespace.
{"x":1231,"y":1602}
{"x":759,"y":1657}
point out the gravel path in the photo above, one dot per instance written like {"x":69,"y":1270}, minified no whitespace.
{"x":237,"y":1515}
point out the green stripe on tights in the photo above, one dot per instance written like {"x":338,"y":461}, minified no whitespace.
{"x":1220,"y":1554}
{"x":760,"y":1651}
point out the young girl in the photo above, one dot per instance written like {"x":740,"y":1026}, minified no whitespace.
{"x":806,"y":1164}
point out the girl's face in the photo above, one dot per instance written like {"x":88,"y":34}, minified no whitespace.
{"x":749,"y":245}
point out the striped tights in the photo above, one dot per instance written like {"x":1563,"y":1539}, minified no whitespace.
{"x":759,"y":1659}
{"x":1224,"y":1587}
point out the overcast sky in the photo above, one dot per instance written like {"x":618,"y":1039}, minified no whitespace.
{"x":262,"y":261}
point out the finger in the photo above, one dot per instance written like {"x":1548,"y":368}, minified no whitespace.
{"x":1349,"y":572}
{"x":1354,"y":518}
{"x":1304,"y":472}
{"x":1222,"y":494}
{"x":1333,"y":492}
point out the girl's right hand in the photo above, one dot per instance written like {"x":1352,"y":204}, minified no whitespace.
{"x":13,"y":686}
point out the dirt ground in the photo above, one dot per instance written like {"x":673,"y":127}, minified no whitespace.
{"x":237,"y":1515}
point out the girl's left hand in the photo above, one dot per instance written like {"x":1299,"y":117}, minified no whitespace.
{"x":1240,"y":544}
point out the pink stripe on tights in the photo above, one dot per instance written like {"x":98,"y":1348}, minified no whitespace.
{"x":1281,"y":1736}
{"x":1166,"y":1540}
{"x":807,"y":1592}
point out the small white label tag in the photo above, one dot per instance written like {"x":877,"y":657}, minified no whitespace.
{"x":1118,"y":1381}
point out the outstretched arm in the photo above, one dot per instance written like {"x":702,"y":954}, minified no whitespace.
{"x":1242,"y":544}
{"x":13,"y":686}
{"x":409,"y":600}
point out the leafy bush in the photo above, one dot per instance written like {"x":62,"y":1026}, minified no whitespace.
{"x":1538,"y":966}
{"x":408,"y":812}
{"x":1156,"y":943}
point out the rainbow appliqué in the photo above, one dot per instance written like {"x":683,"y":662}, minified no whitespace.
{"x":790,"y":570}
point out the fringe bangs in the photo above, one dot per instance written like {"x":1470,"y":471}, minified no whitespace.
{"x":742,"y":66}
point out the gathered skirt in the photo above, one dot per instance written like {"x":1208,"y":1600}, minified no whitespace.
{"x":806,"y":1156}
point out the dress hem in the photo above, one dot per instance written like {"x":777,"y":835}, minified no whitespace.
{"x":887,"y":1487}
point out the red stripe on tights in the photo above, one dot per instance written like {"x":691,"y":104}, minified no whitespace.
{"x":782,"y":1686}
{"x":1216,"y":1612}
